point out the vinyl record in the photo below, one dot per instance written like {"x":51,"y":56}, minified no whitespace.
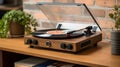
{"x":56,"y":34}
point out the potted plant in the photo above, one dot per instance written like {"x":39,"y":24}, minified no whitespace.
{"x":16,"y":22}
{"x":115,"y":34}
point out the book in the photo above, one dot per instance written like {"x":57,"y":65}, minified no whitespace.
{"x":29,"y":62}
{"x":45,"y":64}
{"x":61,"y":64}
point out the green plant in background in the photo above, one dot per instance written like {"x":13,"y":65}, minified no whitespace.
{"x":17,"y":16}
{"x":116,"y":17}
{"x":3,"y":29}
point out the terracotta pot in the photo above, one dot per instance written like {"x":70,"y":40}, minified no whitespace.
{"x":16,"y":30}
{"x":115,"y":43}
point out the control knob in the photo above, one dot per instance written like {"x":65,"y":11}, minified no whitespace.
{"x":35,"y":42}
{"x":69,"y":46}
{"x":63,"y":45}
{"x":28,"y":41}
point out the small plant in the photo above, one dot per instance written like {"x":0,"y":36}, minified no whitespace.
{"x":16,"y":16}
{"x":3,"y":29}
{"x":116,"y":17}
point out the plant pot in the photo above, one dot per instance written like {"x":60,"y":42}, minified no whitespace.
{"x":115,"y":42}
{"x":16,"y":30}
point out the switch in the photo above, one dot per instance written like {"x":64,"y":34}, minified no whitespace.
{"x":48,"y":44}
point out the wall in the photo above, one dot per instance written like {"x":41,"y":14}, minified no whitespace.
{"x":101,"y":8}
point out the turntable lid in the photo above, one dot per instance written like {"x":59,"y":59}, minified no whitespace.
{"x":68,"y":12}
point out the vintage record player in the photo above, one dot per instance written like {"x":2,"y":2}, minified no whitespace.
{"x":71,"y":33}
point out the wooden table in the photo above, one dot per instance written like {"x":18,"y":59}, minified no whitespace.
{"x":99,"y":56}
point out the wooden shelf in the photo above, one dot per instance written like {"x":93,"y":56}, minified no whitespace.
{"x":5,"y":7}
{"x":7,"y":59}
{"x":99,"y":56}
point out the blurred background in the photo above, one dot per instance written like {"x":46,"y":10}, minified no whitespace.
{"x":100,"y":9}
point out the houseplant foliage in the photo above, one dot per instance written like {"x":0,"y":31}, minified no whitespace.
{"x":116,"y":17}
{"x":17,"y":16}
{"x":3,"y":29}
{"x":115,"y":34}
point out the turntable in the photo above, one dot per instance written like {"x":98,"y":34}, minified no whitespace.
{"x":68,"y":35}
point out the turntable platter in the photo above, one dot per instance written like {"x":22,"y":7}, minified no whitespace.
{"x":56,"y":34}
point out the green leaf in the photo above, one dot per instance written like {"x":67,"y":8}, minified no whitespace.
{"x":111,"y":15}
{"x":116,"y":8}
